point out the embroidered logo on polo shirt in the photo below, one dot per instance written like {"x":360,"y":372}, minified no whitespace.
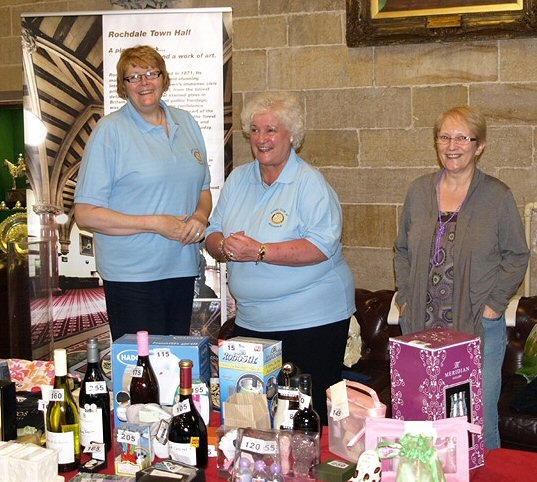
{"x":278,"y":217}
{"x":197,"y":154}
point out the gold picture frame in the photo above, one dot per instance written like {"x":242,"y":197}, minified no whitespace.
{"x":388,"y":22}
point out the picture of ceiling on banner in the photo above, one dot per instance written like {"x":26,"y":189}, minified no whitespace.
{"x":69,"y":84}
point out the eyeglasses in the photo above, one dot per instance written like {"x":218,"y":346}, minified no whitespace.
{"x":459,"y":140}
{"x":137,"y":78}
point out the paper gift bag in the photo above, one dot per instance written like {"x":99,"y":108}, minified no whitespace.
{"x":245,"y":409}
{"x":349,"y":404}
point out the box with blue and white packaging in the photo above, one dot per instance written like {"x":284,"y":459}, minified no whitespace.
{"x":249,"y":365}
{"x":165,"y":352}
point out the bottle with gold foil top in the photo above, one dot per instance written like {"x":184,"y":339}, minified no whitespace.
{"x":62,"y":426}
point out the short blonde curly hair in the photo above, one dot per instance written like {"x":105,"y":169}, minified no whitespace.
{"x":284,"y":105}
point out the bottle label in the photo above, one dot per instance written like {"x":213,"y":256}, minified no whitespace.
{"x":137,"y":371}
{"x":91,"y":424}
{"x":64,"y":444}
{"x":181,"y":407}
{"x":288,"y":393}
{"x":288,"y":419}
{"x":184,"y":453}
{"x":199,"y":389}
{"x":95,"y":388}
{"x":57,"y":395}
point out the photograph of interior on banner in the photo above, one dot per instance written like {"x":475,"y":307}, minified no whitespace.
{"x":69,"y":85}
{"x":384,"y":22}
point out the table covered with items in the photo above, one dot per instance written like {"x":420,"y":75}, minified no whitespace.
{"x":262,"y":427}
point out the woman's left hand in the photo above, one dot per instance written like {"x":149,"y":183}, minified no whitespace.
{"x":194,"y":230}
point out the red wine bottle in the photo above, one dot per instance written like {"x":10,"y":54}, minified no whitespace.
{"x":306,"y":418}
{"x":187,"y":437}
{"x":144,"y":383}
{"x":94,"y":401}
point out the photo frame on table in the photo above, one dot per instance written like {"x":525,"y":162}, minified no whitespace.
{"x":86,"y":245}
{"x":388,"y":22}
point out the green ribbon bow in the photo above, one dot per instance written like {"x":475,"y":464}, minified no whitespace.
{"x":414,"y":447}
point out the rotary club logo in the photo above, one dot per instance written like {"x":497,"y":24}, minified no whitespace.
{"x":277,"y":218}
{"x":197,"y":154}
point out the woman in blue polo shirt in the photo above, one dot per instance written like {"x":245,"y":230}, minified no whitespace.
{"x":278,"y":225}
{"x":143,"y":189}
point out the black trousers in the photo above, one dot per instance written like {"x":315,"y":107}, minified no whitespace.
{"x":162,"y":307}
{"x":318,"y":351}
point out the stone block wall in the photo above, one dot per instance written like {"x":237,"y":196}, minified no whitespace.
{"x":369,"y":111}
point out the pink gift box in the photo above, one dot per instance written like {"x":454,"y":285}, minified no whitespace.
{"x":450,"y":440}
{"x":436,"y":374}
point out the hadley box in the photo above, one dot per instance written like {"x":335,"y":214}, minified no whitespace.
{"x":249,"y":365}
{"x":165,"y":352}
{"x":436,"y":374}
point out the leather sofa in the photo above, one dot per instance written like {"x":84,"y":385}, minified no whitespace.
{"x":518,"y":430}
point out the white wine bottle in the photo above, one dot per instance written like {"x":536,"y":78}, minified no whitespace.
{"x":187,"y":438}
{"x":94,"y":400}
{"x":62,"y":428}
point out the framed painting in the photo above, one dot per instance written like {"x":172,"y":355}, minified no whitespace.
{"x":386,"y":22}
{"x":86,"y":245}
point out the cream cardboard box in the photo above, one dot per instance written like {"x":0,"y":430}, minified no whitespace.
{"x":436,"y":374}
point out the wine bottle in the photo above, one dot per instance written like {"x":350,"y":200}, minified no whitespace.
{"x":187,"y":437}
{"x":288,"y":397}
{"x":62,"y":427}
{"x":144,"y":383}
{"x":94,"y":401}
{"x":306,"y":418}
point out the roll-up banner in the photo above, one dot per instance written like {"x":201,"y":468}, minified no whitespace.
{"x":69,"y":62}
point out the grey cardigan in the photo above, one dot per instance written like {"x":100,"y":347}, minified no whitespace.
{"x":491,"y":253}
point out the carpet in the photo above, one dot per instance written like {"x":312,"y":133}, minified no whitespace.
{"x":74,"y":311}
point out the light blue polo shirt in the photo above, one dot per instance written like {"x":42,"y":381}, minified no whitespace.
{"x":132,"y":166}
{"x":299,"y":204}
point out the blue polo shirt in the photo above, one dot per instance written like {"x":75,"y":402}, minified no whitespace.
{"x":299,"y":204}
{"x":132,"y":166}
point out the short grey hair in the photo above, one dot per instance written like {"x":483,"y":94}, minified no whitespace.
{"x":284,"y":105}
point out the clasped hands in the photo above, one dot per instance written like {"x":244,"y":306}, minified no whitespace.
{"x":239,"y":247}
{"x":186,"y":230}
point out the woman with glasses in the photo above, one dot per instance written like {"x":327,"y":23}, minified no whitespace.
{"x":461,"y":253}
{"x":143,"y":189}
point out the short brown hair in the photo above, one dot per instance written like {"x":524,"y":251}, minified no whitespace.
{"x":140,"y":56}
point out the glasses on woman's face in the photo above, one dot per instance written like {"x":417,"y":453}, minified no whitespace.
{"x":137,"y":78}
{"x":459,"y":140}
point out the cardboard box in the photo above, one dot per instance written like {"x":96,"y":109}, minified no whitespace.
{"x":165,"y":352}
{"x":132,"y":448}
{"x":250,"y":365}
{"x":334,"y":470}
{"x":436,"y":374}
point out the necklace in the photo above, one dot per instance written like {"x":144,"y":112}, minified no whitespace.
{"x":437,"y":254}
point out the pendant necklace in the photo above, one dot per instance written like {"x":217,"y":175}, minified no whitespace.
{"x":437,"y":254}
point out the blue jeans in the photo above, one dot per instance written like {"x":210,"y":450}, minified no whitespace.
{"x":495,"y":342}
